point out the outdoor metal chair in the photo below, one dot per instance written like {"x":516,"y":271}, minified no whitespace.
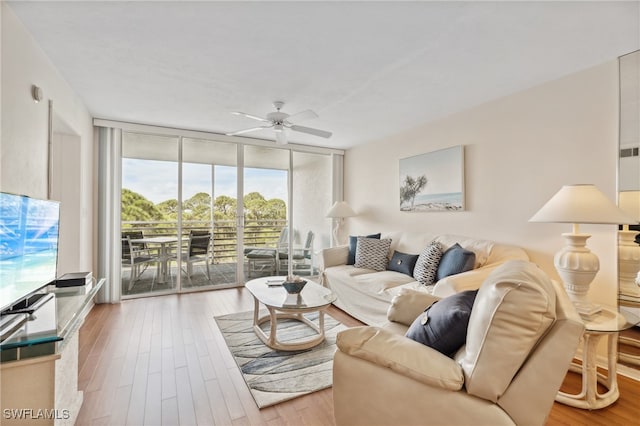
{"x":263,"y":259}
{"x":198,"y":250}
{"x":135,"y":255}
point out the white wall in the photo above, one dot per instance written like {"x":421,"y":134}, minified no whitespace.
{"x":312,"y":197}
{"x":24,"y":134}
{"x":519,"y":151}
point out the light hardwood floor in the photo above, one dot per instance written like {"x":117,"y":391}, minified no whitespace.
{"x":163,"y":361}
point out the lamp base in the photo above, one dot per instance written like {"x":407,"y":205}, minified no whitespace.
{"x":578,"y":266}
{"x":336,"y":232}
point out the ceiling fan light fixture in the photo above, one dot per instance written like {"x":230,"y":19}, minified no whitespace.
{"x":280,"y":121}
{"x":281,"y":138}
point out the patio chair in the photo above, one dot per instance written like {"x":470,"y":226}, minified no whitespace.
{"x":198,"y":250}
{"x":136,"y":255}
{"x":263,"y":259}
{"x":302,"y":258}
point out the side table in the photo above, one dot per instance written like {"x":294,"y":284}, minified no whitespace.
{"x":605,"y":324}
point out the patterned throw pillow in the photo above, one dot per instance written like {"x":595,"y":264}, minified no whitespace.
{"x":353,"y":244}
{"x":427,"y":264}
{"x":372,"y":253}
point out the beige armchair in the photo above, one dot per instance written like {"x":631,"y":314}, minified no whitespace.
{"x":522,"y":334}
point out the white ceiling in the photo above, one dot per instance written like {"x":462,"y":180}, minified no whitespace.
{"x":369,"y":69}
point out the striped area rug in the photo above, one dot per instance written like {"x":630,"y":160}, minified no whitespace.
{"x":276,"y":376}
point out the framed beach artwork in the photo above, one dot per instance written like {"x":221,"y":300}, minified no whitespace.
{"x":433,"y":181}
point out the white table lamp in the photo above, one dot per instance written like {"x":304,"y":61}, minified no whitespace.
{"x":339,"y":211}
{"x":628,"y":249}
{"x":575,"y":263}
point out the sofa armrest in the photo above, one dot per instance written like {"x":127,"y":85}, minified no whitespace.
{"x":402,"y":355}
{"x":408,"y":304}
{"x":334,"y":256}
{"x":470,"y":280}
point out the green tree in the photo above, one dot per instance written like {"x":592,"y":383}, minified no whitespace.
{"x":275,"y":208}
{"x":254,"y":205}
{"x":169,"y":209}
{"x":135,"y":207}
{"x":411,"y":188}
{"x":197,"y":207}
{"x":224,"y":207}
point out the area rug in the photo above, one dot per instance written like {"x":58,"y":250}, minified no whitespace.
{"x":276,"y":376}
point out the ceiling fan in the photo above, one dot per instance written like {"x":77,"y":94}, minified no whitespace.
{"x":279,"y":121}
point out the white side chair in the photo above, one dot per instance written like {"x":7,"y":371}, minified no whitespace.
{"x":302,"y":258}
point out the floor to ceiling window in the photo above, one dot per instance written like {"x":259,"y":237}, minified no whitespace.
{"x":200,"y":213}
{"x":209,"y":214}
{"x":265,"y":202}
{"x":149,"y":221}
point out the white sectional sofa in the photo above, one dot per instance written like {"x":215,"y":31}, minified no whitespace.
{"x":366,"y":294}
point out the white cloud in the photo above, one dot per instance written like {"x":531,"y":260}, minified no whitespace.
{"x":158,"y":180}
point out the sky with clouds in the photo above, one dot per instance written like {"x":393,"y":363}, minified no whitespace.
{"x":158,"y":180}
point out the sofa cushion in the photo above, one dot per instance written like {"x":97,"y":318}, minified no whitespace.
{"x":443,"y":325}
{"x":401,"y":355}
{"x":427,"y":264}
{"x":409,"y":242}
{"x":407,"y":304}
{"x":364,"y":294}
{"x":371,"y":253}
{"x":482,"y":248}
{"x":454,"y":261}
{"x":402,"y":262}
{"x":382,"y":281}
{"x":500,"y":331}
{"x":353,"y":244}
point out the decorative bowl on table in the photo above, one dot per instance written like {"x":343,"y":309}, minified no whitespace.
{"x":294,"y":287}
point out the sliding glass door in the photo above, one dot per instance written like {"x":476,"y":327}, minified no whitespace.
{"x":148,"y":216}
{"x":209,"y":214}
{"x":265,"y":206}
{"x":200,"y":213}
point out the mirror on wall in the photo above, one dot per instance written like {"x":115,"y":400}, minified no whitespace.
{"x":629,"y":201}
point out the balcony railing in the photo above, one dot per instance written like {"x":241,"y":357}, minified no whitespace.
{"x":257,"y":233}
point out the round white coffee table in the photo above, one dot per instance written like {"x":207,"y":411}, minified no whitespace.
{"x":282,"y":305}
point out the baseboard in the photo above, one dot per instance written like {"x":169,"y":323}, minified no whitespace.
{"x":632,"y":373}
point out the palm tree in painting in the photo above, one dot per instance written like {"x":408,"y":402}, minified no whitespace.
{"x":412,"y":187}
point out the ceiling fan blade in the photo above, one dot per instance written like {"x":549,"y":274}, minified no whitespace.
{"x":309,"y":130}
{"x":253,"y":129}
{"x":301,"y":116}
{"x":254,"y":117}
{"x":281,"y":138}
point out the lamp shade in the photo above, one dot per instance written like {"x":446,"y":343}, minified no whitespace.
{"x":581,"y":204}
{"x":340,"y":209}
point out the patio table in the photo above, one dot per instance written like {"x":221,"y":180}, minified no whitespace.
{"x":163,"y":253}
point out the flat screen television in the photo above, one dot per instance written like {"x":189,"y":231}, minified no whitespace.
{"x":29,"y":230}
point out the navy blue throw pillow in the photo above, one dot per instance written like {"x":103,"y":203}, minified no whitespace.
{"x":402,"y":262}
{"x":443,"y":325}
{"x":455,"y":261}
{"x":353,"y":244}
